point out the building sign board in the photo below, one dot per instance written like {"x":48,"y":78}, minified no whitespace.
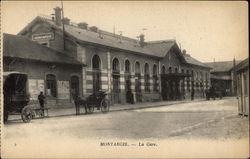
{"x":43,"y":37}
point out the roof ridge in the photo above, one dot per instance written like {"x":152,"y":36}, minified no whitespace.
{"x":161,"y":41}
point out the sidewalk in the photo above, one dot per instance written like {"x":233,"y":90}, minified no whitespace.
{"x":57,"y":112}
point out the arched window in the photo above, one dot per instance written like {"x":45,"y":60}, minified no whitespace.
{"x":116,"y":67}
{"x":96,"y":65}
{"x":137,"y":80}
{"x":154,"y":69}
{"x":51,"y":89}
{"x":163,"y":70}
{"x":96,"y":62}
{"x":146,"y":78}
{"x":176,"y":70}
{"x":137,"y":68}
{"x":182,"y":70}
{"x":170,"y":70}
{"x":155,"y":78}
{"x":127,"y":66}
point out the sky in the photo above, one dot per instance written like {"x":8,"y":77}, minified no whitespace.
{"x":208,"y":30}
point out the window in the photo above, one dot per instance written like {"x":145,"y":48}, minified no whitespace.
{"x":163,"y":70}
{"x":155,"y":78}
{"x":170,"y":69}
{"x":96,"y":64}
{"x":116,"y":67}
{"x":182,"y":70}
{"x":137,"y":68}
{"x":137,"y":77}
{"x":127,"y":66}
{"x":146,"y":78}
{"x":46,"y":43}
{"x":176,"y":70}
{"x":51,"y":89}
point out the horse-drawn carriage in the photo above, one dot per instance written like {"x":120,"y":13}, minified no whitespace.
{"x":213,"y":93}
{"x":97,"y":99}
{"x":16,"y":95}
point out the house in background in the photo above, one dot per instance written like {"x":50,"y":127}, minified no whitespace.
{"x":223,"y":76}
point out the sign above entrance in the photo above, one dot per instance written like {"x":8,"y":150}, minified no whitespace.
{"x":43,"y":36}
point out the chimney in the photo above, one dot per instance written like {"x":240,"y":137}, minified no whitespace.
{"x":94,"y":29}
{"x":83,"y":25}
{"x":142,"y":40}
{"x":66,"y":21}
{"x":58,"y":16}
{"x":184,"y":52}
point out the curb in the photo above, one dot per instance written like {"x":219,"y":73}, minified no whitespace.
{"x":126,"y":109}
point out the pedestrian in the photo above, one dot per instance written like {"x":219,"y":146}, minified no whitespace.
{"x":192,"y":94}
{"x":77,"y":101}
{"x":41,"y":99}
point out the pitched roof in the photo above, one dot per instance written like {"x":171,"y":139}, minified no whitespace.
{"x":221,"y":66}
{"x":100,"y":38}
{"x":243,"y":64}
{"x":21,"y":47}
{"x":193,"y":61}
{"x":157,"y":49}
{"x":161,"y":48}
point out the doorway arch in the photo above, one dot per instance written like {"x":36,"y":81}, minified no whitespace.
{"x":116,"y":80}
{"x":96,"y":73}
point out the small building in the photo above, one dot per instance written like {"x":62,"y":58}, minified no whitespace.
{"x":52,"y":72}
{"x":223,"y":76}
{"x":242,"y":73}
{"x":152,"y":70}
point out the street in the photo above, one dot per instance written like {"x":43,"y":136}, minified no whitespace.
{"x":205,"y":120}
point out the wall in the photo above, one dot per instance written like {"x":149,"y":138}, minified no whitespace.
{"x":37,"y":72}
{"x":57,"y":42}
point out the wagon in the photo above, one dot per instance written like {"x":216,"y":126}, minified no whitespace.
{"x":16,"y":95}
{"x":98,"y":100}
{"x":213,"y":93}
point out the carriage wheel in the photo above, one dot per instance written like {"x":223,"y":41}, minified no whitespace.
{"x":90,"y":109}
{"x":104,"y":105}
{"x":26,"y":114}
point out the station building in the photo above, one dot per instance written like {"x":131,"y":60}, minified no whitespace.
{"x":49,"y":71}
{"x":152,"y":70}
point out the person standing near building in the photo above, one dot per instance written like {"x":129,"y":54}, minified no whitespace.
{"x":77,"y":103}
{"x":41,"y":99}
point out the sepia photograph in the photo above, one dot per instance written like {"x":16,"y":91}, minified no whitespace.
{"x":124,"y":79}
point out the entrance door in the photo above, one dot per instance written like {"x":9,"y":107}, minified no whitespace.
{"x":116,"y":89}
{"x":74,"y":84}
{"x":128,"y":88}
{"x":164,"y":88}
{"x":138,"y":88}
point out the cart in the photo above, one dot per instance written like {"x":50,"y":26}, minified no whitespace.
{"x":98,"y":100}
{"x":16,"y":95}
